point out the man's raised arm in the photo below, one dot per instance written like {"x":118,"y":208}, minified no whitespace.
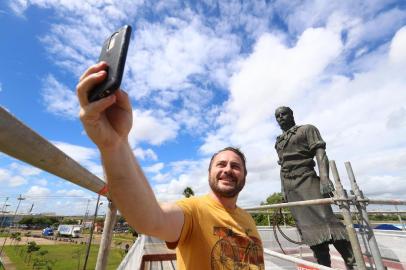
{"x":107,"y":123}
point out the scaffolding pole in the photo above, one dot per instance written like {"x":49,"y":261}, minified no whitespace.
{"x":345,"y":208}
{"x":382,"y":201}
{"x":21,"y":142}
{"x":104,"y":249}
{"x":361,"y":206}
{"x":290,"y":204}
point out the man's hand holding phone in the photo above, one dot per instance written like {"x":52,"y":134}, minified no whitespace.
{"x":107,"y":121}
{"x":106,"y":110}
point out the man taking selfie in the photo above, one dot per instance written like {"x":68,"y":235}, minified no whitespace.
{"x":208,"y":232}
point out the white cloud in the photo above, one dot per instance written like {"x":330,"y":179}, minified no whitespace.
{"x":4,"y":175}
{"x":161,"y":177}
{"x":72,"y":192}
{"x":18,"y":6}
{"x":79,"y":153}
{"x":59,"y":99}
{"x":85,"y":156}
{"x":364,"y":32}
{"x":152,"y":127}
{"x":180,"y":59}
{"x":392,"y":187}
{"x":37,"y":191}
{"x":154,"y":168}
{"x":173,"y":189}
{"x":145,"y":154}
{"x":397,"y":118}
{"x":185,"y":173}
{"x":75,"y":44}
{"x":17,"y":180}
{"x":42,"y":182}
{"x":397,"y":52}
{"x":24,"y":169}
{"x":167,"y":55}
{"x":15,"y":175}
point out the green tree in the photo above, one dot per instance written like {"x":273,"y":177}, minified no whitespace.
{"x":262,"y":219}
{"x":18,"y":240}
{"x":14,"y":237}
{"x":276,"y":197}
{"x":31,"y":247}
{"x":27,"y":234}
{"x":133,"y":232}
{"x":69,"y":221}
{"x":121,"y":220}
{"x":29,"y":221}
{"x":39,"y":221}
{"x":188,"y":192}
{"x":42,"y":261}
{"x":100,"y":220}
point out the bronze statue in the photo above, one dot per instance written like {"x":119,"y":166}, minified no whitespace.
{"x":318,"y":226}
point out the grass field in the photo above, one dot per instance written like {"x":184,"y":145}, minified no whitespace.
{"x":65,"y":256}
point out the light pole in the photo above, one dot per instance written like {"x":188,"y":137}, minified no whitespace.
{"x":91,"y":232}
{"x":5,"y":204}
{"x":20,"y":198}
{"x":4,"y":212}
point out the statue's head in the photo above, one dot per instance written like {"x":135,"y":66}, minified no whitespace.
{"x":284,"y":117}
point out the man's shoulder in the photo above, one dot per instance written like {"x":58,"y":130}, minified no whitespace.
{"x":307,"y":127}
{"x":245,"y":213}
{"x":192,"y":201}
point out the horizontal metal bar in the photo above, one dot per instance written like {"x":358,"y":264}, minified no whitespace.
{"x":335,"y":212}
{"x":21,"y":142}
{"x":289,"y":204}
{"x":295,"y":260}
{"x":350,"y":199}
{"x":389,"y":202}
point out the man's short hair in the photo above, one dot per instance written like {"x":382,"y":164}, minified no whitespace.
{"x":286,"y":108}
{"x":235,"y":150}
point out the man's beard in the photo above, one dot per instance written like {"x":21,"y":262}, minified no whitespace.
{"x":229,"y":193}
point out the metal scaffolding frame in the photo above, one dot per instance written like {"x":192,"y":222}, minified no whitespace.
{"x":344,"y":201}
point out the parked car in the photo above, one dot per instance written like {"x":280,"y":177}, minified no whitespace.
{"x":47,"y":232}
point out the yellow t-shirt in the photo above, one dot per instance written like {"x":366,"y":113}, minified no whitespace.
{"x":213,"y":237}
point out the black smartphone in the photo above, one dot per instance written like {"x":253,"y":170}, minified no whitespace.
{"x":114,"y":53}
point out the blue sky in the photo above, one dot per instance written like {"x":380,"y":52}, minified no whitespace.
{"x":204,"y":75}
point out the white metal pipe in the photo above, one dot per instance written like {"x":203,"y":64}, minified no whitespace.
{"x":21,"y":142}
{"x":295,"y":260}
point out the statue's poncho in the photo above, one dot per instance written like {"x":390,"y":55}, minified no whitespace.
{"x":296,"y":149}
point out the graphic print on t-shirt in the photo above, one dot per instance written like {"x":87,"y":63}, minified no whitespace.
{"x":234,"y":251}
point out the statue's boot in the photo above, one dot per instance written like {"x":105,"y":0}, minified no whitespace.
{"x":322,"y":254}
{"x":345,"y":249}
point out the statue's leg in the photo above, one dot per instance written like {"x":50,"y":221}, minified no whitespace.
{"x":322,"y":254}
{"x":345,"y":249}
